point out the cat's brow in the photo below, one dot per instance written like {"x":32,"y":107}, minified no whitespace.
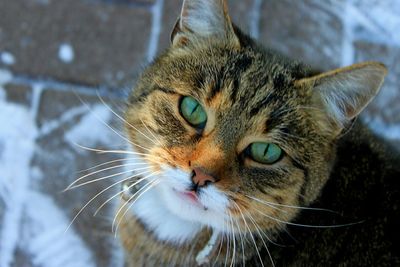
{"x":215,"y":89}
{"x":232,"y":72}
{"x":165,"y":90}
{"x":146,"y":94}
{"x":270,"y":99}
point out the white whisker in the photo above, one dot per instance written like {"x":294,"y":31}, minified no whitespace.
{"x":149,"y":185}
{"x":151,"y":132}
{"x":251,"y":235}
{"x":105,"y":163}
{"x":102,"y":151}
{"x":288,"y":206}
{"x":148,"y":169}
{"x":264,"y":234}
{"x":241,"y":241}
{"x":219,"y":250}
{"x":73,"y":184}
{"x":234,"y":241}
{"x":92,"y":199}
{"x":106,"y":124}
{"x":228,"y":240}
{"x":262,"y":239}
{"x":122,"y":119}
{"x":307,"y":225}
{"x":129,"y":187}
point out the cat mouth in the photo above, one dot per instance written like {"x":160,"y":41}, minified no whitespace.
{"x":190,"y":196}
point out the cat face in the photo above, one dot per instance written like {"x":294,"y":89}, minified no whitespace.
{"x":239,"y":136}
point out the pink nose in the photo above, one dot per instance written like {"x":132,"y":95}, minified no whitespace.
{"x":201,"y":178}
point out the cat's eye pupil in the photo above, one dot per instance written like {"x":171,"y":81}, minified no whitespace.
{"x":266,"y":150}
{"x":193,"y":112}
{"x":265,"y":153}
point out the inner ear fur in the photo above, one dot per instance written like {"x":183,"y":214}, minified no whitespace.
{"x":200,"y":19}
{"x":343,"y":93}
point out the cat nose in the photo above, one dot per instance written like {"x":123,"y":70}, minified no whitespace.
{"x":201,"y":178}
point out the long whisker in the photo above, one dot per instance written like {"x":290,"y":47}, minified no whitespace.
{"x":106,"y":124}
{"x":261,"y":231}
{"x":227,"y":244}
{"x":308,"y":225}
{"x":128,"y":188}
{"x":288,"y":206}
{"x":126,"y":202}
{"x":262,"y":239}
{"x":132,"y":197}
{"x":71,"y":186}
{"x":234,"y":242}
{"x":269,"y":204}
{"x":149,"y":186}
{"x":92,"y":199}
{"x":251,"y":235}
{"x":102,"y":151}
{"x":241,"y":241}
{"x":105,"y":163}
{"x":219,"y":250}
{"x":151,"y":132}
{"x":147,"y":169}
{"x":122,"y":119}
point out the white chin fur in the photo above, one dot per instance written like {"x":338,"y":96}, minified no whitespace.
{"x":174,"y":219}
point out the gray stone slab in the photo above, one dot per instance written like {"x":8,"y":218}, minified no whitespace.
{"x":22,"y":259}
{"x":85,"y":42}
{"x":307,"y":30}
{"x":19,"y":94}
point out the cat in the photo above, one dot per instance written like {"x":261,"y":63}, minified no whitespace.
{"x":243,"y":156}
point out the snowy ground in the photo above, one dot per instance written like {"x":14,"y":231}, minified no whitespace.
{"x":43,"y":120}
{"x":33,"y":223}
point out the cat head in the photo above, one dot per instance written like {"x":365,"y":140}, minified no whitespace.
{"x":234,"y":130}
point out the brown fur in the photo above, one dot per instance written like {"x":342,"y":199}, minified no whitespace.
{"x":250,"y":94}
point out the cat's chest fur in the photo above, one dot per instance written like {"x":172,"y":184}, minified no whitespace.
{"x":151,"y":210}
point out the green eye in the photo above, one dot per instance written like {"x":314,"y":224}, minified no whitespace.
{"x":265,"y":153}
{"x":193,"y":112}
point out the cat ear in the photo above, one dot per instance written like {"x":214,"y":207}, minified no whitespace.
{"x":343,"y":93}
{"x":203,"y":19}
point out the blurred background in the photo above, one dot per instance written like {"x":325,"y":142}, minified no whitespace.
{"x":59,"y":58}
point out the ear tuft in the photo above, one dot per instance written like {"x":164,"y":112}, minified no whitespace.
{"x":345,"y":92}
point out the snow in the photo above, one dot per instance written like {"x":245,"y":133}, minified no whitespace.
{"x":347,"y":42}
{"x":388,"y":131}
{"x":255,"y":22}
{"x":156,"y":11}
{"x":92,"y":129}
{"x":5,"y":76}
{"x":18,"y":143}
{"x":46,"y":239}
{"x":66,"y":53}
{"x":7,"y":58}
{"x":386,"y":18}
{"x":31,"y":221}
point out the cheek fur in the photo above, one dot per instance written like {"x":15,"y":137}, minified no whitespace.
{"x":270,"y":207}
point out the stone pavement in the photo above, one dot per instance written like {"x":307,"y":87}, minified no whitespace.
{"x":58,"y":57}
